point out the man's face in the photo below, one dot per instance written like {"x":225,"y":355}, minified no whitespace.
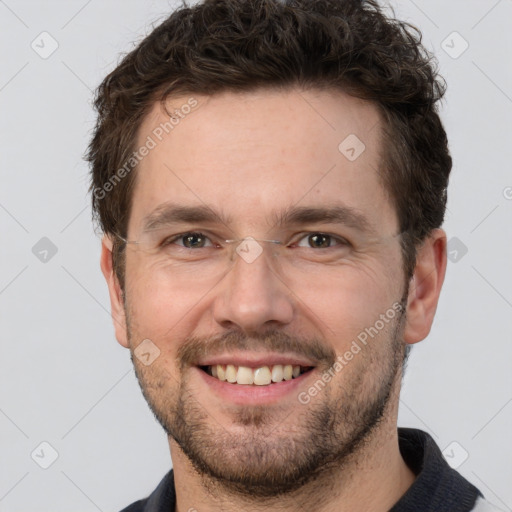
{"x":251,"y":158}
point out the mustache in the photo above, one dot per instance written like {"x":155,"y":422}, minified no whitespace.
{"x":194,"y":348}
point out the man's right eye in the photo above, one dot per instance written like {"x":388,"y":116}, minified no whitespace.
{"x":189,"y":240}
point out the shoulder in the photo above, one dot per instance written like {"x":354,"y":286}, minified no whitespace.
{"x":138,"y":506}
{"x":483,"y":505}
{"x":162,"y":499}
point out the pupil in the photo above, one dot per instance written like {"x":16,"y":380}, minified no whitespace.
{"x":189,"y":239}
{"x":320,"y":240}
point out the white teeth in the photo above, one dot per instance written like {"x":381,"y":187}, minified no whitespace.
{"x":245,"y":375}
{"x":277,"y":373}
{"x":230,"y":373}
{"x":262,"y":376}
{"x":221,"y":372}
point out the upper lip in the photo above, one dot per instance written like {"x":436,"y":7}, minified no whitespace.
{"x":255,"y":359}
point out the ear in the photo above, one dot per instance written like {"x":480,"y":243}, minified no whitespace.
{"x":425,"y":287}
{"x":114,"y":289}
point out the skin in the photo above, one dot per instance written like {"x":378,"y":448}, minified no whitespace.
{"x":248,"y":155}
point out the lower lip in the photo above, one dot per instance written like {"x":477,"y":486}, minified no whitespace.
{"x":243,"y":394}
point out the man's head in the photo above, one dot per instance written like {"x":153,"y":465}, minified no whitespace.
{"x":217,"y":46}
{"x":310,"y":126}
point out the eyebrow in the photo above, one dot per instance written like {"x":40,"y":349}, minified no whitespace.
{"x":336,"y":214}
{"x":172,"y":213}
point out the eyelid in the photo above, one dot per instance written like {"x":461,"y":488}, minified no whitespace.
{"x":342,"y":240}
{"x":174,"y":238}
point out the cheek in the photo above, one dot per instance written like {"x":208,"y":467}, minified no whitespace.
{"x":349,"y":299}
{"x":155,"y":307}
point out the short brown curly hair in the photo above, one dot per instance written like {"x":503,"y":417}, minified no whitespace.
{"x":241,"y":45}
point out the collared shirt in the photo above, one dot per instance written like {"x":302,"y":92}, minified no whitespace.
{"x":437,"y":488}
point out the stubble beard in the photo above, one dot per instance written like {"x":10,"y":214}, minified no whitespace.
{"x":271,"y":453}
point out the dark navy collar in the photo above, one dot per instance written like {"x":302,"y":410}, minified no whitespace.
{"x":438,"y":487}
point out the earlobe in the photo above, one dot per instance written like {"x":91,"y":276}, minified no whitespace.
{"x":425,"y":286}
{"x":115,"y":292}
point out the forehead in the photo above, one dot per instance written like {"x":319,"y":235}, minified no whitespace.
{"x":254,"y":153}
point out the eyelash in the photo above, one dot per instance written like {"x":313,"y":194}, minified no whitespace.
{"x":342,"y":242}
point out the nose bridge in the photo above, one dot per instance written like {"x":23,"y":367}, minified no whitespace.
{"x":249,"y":248}
{"x":252,"y":295}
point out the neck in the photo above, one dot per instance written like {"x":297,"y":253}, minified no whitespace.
{"x":373,"y":479}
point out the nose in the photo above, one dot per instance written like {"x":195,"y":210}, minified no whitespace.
{"x":252,"y":296}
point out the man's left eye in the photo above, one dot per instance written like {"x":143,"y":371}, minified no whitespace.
{"x":321,"y":241}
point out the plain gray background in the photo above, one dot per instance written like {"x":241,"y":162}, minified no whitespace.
{"x":65,"y":380}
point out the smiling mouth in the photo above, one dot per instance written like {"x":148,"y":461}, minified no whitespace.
{"x":261,"y":376}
